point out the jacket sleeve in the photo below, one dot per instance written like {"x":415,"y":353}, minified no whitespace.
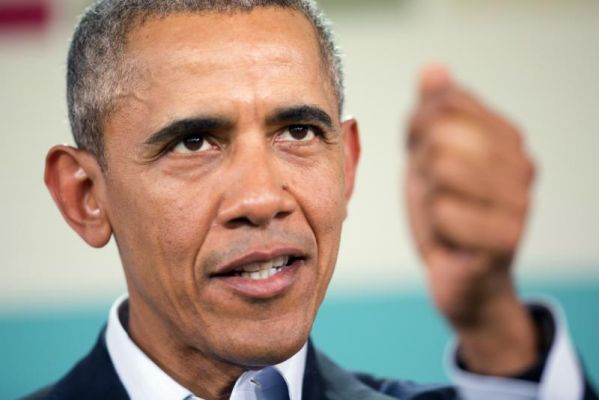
{"x":559,"y":374}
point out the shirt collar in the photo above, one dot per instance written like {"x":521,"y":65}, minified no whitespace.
{"x":143,"y":379}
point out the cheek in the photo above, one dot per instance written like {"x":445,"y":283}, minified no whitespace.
{"x":320,"y":192}
{"x":326,"y":212}
{"x":324,"y":198}
{"x":160,"y":227}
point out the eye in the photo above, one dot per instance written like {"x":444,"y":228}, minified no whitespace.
{"x":299,"y":133}
{"x":192,"y":144}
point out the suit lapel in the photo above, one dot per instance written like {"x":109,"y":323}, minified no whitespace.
{"x":313,"y":387}
{"x":93,"y":378}
{"x":324,"y":380}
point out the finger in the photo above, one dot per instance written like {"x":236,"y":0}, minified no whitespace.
{"x":490,"y":175}
{"x":434,"y":79}
{"x":463,"y":139}
{"x":462,"y":102}
{"x":467,"y":141}
{"x":486,"y":184}
{"x":458,"y":103}
{"x":471,"y":225}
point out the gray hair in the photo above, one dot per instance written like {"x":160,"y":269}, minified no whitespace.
{"x":96,"y":71}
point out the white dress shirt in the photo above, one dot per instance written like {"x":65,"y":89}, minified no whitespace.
{"x":144,"y":380}
{"x":562,"y":378}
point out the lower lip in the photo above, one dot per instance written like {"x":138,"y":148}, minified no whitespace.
{"x":267,"y":288}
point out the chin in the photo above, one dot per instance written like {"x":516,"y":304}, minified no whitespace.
{"x":268,"y":345}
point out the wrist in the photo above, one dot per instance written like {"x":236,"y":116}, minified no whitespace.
{"x":502,"y":341}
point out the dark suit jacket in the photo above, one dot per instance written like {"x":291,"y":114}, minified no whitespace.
{"x":94,"y":378}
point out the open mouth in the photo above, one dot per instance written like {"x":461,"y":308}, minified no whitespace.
{"x":263,"y":269}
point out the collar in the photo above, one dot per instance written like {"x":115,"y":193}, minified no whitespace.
{"x":143,"y":379}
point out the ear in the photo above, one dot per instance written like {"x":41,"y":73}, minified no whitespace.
{"x":76,"y":183}
{"x":351,"y":147}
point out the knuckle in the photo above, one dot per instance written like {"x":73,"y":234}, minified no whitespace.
{"x":443,"y":208}
{"x":507,"y":230}
{"x":513,"y":134}
{"x":521,"y":205}
{"x":436,"y":162}
{"x":530,"y":170}
{"x":512,"y":235}
{"x":445,"y":171}
{"x":510,"y":129}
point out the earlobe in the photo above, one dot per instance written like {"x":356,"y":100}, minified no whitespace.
{"x":352,"y":149}
{"x":76,"y":183}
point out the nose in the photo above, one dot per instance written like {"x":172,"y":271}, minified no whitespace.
{"x":257,"y":193}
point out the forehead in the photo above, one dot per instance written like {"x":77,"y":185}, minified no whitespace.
{"x":228,"y":57}
{"x":213,"y":29}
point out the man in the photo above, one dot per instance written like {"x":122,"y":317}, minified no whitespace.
{"x":211,"y":144}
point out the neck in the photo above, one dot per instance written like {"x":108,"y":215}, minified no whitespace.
{"x":205,"y":376}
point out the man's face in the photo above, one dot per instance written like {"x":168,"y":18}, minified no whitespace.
{"x":227,"y":183}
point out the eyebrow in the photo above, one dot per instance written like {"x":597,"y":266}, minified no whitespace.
{"x":297,"y":114}
{"x":180,"y":128}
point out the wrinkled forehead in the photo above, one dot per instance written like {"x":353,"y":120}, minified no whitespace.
{"x":242,"y":37}
{"x":216,"y":50}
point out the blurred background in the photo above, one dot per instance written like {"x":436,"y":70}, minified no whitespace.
{"x":536,"y":61}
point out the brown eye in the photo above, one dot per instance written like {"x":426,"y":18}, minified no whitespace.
{"x":192,"y":144}
{"x":298,"y":133}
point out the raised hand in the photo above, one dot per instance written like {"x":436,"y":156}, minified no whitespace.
{"x":468,"y":190}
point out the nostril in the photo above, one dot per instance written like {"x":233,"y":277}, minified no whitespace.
{"x":240,"y":221}
{"x":282,"y":214}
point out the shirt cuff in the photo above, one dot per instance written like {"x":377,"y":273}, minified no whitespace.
{"x":561,"y":378}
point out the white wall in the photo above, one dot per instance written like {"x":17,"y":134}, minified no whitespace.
{"x":538,"y":63}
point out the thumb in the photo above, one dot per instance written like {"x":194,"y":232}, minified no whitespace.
{"x":434,"y":79}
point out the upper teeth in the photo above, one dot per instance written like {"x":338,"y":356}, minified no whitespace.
{"x":263,"y":270}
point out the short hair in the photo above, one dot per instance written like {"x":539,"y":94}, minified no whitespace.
{"x":96,"y":71}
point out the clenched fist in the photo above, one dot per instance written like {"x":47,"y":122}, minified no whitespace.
{"x":468,"y":191}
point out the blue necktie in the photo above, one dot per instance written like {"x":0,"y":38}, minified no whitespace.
{"x":270,"y":385}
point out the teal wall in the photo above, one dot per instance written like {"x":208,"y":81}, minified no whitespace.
{"x":391,"y":335}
